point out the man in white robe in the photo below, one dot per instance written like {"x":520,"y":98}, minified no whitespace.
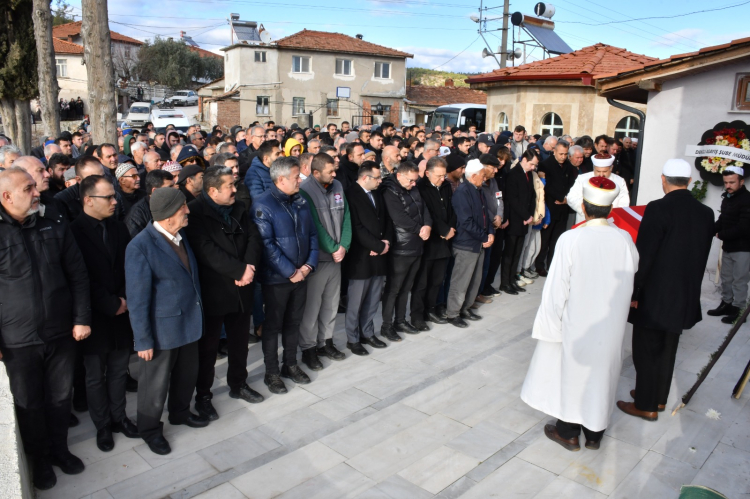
{"x":581,"y":322}
{"x":602,"y":168}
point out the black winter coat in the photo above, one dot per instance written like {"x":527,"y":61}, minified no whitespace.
{"x":246,"y":159}
{"x":733,"y":225}
{"x":369,"y":228}
{"x":106,"y":269}
{"x":68,"y":202}
{"x":347,"y":172}
{"x":560,"y":178}
{"x":44,"y":286}
{"x":438,"y":202}
{"x":408,"y":214}
{"x":519,"y":200}
{"x":223,"y":252}
{"x":138,"y":217}
{"x":673,"y":243}
{"x":129,"y":200}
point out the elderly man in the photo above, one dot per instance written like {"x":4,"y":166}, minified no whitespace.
{"x":138,"y":150}
{"x":254,"y":139}
{"x":390,"y":161}
{"x":106,"y":353}
{"x":51,"y":149}
{"x":290,"y":243}
{"x":576,"y":157}
{"x":602,"y":168}
{"x":313,"y":147}
{"x":305,"y":164}
{"x":431,"y":150}
{"x":139,"y":215}
{"x":208,"y":153}
{"x":39,"y":173}
{"x":130,"y":186}
{"x":198,"y":140}
{"x":474,"y":233}
{"x":547,"y":146}
{"x":46,"y":309}
{"x":151,"y":161}
{"x":350,"y":162}
{"x":166,"y":312}
{"x":227,"y":248}
{"x":8,"y":154}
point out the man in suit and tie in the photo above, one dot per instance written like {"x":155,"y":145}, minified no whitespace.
{"x":166,"y":312}
{"x":106,"y":353}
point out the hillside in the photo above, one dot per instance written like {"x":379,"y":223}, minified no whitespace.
{"x":432,"y":78}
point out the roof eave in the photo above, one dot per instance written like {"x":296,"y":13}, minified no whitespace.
{"x":528,"y":77}
{"x":403,"y":55}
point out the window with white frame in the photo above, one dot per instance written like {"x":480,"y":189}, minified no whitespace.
{"x":343,"y":67}
{"x":261,"y":105}
{"x":503,"y":125}
{"x":300,"y":64}
{"x":260,"y":56}
{"x":627,"y":127}
{"x":332,"y":107}
{"x":62,"y":67}
{"x":383,"y":70}
{"x":298,"y":105}
{"x":552,"y":124}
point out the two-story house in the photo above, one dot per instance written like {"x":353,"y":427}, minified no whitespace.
{"x":333,"y":76}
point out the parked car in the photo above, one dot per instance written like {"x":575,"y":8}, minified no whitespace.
{"x":138,"y":115}
{"x":163,"y":117}
{"x":183,"y":98}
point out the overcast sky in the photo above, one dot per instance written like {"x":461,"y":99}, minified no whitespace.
{"x":440,"y":33}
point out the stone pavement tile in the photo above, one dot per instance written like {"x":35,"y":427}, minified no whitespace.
{"x":347,"y":376}
{"x":478,"y":405}
{"x":287,"y":472}
{"x":295,"y":425}
{"x":549,"y":455}
{"x":339,"y":482}
{"x":521,"y":352}
{"x":364,"y":434}
{"x":655,"y":476}
{"x":483,"y":440}
{"x":194,"y":439}
{"x":738,"y":434}
{"x":410,"y":351}
{"x":96,"y":477}
{"x":698,"y":358}
{"x":240,"y":448}
{"x":395,"y":487}
{"x":278,"y":406}
{"x":516,"y":479}
{"x":164,"y":480}
{"x":457,"y":488}
{"x":223,"y":491}
{"x":89,"y":453}
{"x":517,"y":416}
{"x":433,"y":398}
{"x":636,"y":431}
{"x":727,"y":471}
{"x":457,"y":353}
{"x":717,"y":394}
{"x":344,"y":404}
{"x":692,"y":439}
{"x":561,"y":487}
{"x":439,"y":469}
{"x":399,"y":376}
{"x":399,"y":451}
{"x":604,"y":469}
{"x":102,"y":494}
{"x":491,"y":370}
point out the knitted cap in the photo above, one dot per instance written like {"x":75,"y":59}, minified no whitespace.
{"x":171,"y":166}
{"x":165,"y":201}
{"x":122,"y":169}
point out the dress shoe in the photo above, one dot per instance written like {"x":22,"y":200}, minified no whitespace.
{"x":357,"y":349}
{"x":509,"y":290}
{"x":252,"y":339}
{"x":247,"y":394}
{"x":159,"y":445}
{"x":104,"y":439}
{"x":389,"y":333}
{"x":193,"y":421}
{"x":131,"y":385}
{"x":420,"y":325}
{"x":311,"y":360}
{"x":374,"y":342}
{"x":729,"y":319}
{"x":222,"y":352}
{"x":629,"y":408}
{"x":458,"y":322}
{"x":530,"y":274}
{"x":405,"y":327}
{"x":435,"y":319}
{"x":470,"y":316}
{"x":490,"y":291}
{"x":483,"y":299}
{"x":518,"y":288}
{"x":659,"y":408}
{"x":330,"y":351}
{"x":274,"y":384}
{"x":67,"y":462}
{"x":593,"y":445}
{"x":571,"y":444}
{"x":441,"y":311}
{"x":724,"y":308}
{"x":205,"y":408}
{"x":296,"y":374}
{"x":74,"y":421}
{"x":126,"y":427}
{"x":44,"y":475}
{"x":542,"y":273}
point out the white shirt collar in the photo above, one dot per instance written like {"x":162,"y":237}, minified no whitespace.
{"x":366,"y":191}
{"x":175,"y":239}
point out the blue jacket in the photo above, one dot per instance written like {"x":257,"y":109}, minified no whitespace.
{"x":258,"y":178}
{"x":288,"y":233}
{"x":164,"y":299}
{"x":472,"y":226}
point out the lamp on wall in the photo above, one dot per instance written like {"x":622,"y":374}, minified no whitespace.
{"x":379,"y":108}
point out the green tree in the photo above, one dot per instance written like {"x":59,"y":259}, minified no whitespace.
{"x":62,"y":13}
{"x":172,"y":63}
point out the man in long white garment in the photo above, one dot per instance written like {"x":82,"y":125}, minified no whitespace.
{"x":602,"y":168}
{"x":581,"y":322}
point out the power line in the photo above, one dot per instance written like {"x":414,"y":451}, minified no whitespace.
{"x":659,"y":17}
{"x":464,"y":50}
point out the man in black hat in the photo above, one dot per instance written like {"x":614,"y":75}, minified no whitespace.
{"x":483,"y":146}
{"x":190,"y":181}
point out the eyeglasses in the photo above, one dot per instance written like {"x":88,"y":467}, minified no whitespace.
{"x":375,"y":178}
{"x":108,"y":198}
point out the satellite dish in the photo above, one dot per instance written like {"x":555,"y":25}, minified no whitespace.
{"x":486,"y":53}
{"x":544,"y":10}
{"x":265,"y":36}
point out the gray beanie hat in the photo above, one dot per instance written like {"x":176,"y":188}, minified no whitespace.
{"x":164,"y":202}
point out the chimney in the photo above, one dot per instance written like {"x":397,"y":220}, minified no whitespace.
{"x":449,"y":82}
{"x":360,"y":37}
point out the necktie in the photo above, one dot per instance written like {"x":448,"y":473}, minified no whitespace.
{"x":102,"y":230}
{"x":372,"y":200}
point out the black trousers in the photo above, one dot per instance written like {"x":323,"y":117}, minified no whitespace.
{"x":572,"y":430}
{"x":106,"y":378}
{"x":285,"y":304}
{"x":550,"y":235}
{"x":401,"y":273}
{"x":654,"y":355}
{"x":511,"y":256}
{"x":496,"y":257}
{"x":170,"y":372}
{"x":427,"y":283}
{"x":41,"y":381}
{"x":237,"y":326}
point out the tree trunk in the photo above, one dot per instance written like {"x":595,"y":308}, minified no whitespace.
{"x":48,"y":87}
{"x":99,"y":70}
{"x":17,"y":122}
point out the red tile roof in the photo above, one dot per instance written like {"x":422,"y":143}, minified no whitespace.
{"x":65,"y":47}
{"x":423,"y":95}
{"x":336,"y":42}
{"x":63,"y":31}
{"x":204,"y":53}
{"x":594,"y":60}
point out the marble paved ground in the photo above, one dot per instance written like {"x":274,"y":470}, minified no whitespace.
{"x":437,"y":415}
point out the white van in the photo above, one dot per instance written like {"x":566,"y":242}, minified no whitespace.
{"x":461,"y":115}
{"x":163,"y":117}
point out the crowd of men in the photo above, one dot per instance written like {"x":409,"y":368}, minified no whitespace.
{"x":187,"y":246}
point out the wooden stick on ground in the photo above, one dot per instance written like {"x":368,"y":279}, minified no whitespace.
{"x":737,"y":392}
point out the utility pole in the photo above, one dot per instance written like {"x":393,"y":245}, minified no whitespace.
{"x":506,"y":16}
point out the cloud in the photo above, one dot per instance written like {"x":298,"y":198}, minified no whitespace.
{"x":470,"y":61}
